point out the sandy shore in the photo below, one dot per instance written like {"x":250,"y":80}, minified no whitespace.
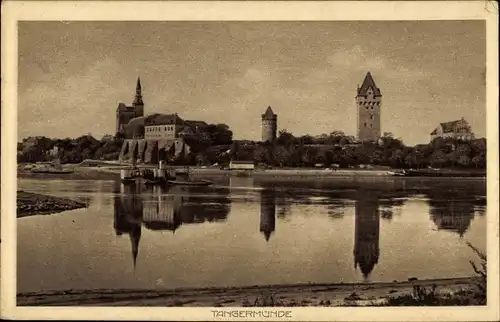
{"x":30,"y":204}
{"x":281,"y":295}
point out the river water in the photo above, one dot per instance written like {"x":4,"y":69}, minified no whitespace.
{"x":242,"y":231}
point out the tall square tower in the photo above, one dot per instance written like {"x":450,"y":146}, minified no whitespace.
{"x":369,"y":104}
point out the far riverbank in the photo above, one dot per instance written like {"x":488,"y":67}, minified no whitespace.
{"x":113,"y":173}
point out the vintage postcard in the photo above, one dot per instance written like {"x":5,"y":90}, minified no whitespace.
{"x":322,"y":161}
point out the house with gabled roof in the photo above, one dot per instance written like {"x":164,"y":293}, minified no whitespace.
{"x":458,"y":129}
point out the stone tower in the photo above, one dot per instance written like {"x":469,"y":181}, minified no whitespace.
{"x":269,"y":125}
{"x":369,"y":103}
{"x":138,"y":104}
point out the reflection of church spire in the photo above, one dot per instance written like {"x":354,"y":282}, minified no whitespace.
{"x":127,"y":217}
{"x":267,"y":213}
{"x":367,"y":227}
{"x":135,"y":237}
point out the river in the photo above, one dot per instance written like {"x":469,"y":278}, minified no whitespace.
{"x":242,"y":231}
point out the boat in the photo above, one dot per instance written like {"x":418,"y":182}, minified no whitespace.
{"x":444,"y":173}
{"x":397,"y":173}
{"x":152,"y":181}
{"x":130,"y":175}
{"x":189,"y":183}
{"x":129,"y":180}
{"x":49,"y":171}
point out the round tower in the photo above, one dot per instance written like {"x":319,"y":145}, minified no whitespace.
{"x":269,"y":125}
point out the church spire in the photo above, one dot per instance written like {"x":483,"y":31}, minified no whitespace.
{"x":138,"y":93}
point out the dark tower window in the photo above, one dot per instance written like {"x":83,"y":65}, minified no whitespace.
{"x":365,"y":124}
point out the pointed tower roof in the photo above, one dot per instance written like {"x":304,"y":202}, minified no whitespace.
{"x":138,"y":93}
{"x":367,"y":83}
{"x":269,"y":114}
{"x":138,"y":86}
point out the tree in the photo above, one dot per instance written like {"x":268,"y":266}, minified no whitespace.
{"x":479,"y":161}
{"x":337,"y":133}
{"x":397,"y":158}
{"x":260,"y":153}
{"x":281,"y":155}
{"x":285,"y":138}
{"x":438,"y":159}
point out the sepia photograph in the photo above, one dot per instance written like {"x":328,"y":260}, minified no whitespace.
{"x":251,"y":164}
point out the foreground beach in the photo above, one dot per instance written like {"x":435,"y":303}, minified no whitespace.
{"x":454,"y":291}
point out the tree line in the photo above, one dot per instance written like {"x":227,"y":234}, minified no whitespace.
{"x":215,"y":145}
{"x":343,"y":151}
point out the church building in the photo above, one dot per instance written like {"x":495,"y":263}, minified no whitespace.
{"x":126,"y":113}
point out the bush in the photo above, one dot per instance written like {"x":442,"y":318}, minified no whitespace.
{"x":481,"y":271}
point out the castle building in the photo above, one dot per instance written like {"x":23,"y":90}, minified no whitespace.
{"x":369,"y":101}
{"x":126,"y":113}
{"x":269,"y":125}
{"x":163,"y":127}
{"x":459,"y":130}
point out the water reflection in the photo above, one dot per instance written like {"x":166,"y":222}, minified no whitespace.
{"x":164,"y":209}
{"x":127,"y":217}
{"x":453,"y":210}
{"x":366,"y":232}
{"x":167,"y":209}
{"x":375,"y":231}
{"x":267,"y":212}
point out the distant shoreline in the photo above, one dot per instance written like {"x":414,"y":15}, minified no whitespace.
{"x":325,"y":294}
{"x":112,"y":173}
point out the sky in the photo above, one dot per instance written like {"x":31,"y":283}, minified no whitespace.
{"x":72,"y":75}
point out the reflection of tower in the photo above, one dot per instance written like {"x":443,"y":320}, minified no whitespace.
{"x":367,"y":227}
{"x":128,"y":214}
{"x":267,"y":213}
{"x":269,"y":125}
